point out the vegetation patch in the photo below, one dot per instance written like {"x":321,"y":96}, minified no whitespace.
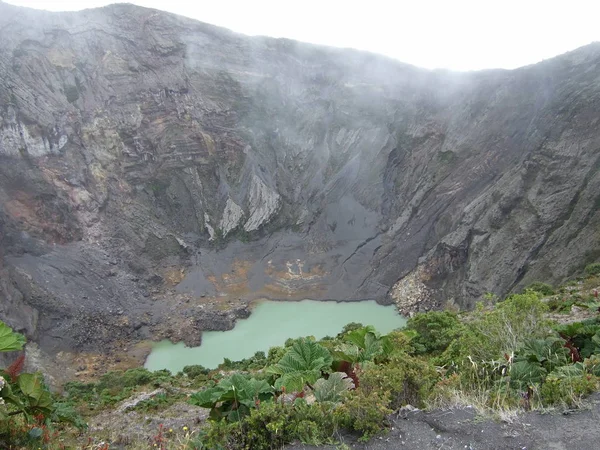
{"x":500,"y":358}
{"x":30,"y":415}
{"x":593,"y":269}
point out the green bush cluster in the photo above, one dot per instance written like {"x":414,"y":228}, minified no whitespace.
{"x":435,"y":331}
{"x":405,"y":379}
{"x":565,"y":302}
{"x":365,"y":411}
{"x":567,"y":391}
{"x":275,"y":424}
{"x":493,"y":332}
{"x":509,"y":355}
{"x":268,"y":412}
{"x":593,"y":269}
{"x":542,"y":288}
{"x":196,"y":371}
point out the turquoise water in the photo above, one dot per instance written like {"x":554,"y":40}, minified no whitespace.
{"x":270,"y":324}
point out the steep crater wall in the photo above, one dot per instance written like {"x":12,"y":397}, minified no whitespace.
{"x":157,"y":173}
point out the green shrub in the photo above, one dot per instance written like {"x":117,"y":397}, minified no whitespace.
{"x":228,"y":365}
{"x":256,"y":362}
{"x":592,"y":365}
{"x":542,"y":288}
{"x":593,"y":269}
{"x":436,"y":330}
{"x":492,"y":333}
{"x":107,"y":397}
{"x":273,"y":425}
{"x":65,"y":413}
{"x":567,"y":391}
{"x":195,"y":371}
{"x":158,"y":402}
{"x":560,"y":304}
{"x":137,"y":377}
{"x":270,"y":426}
{"x":77,"y":391}
{"x":275,"y":354}
{"x":114,"y":387}
{"x":406,"y":379}
{"x":402,"y":341}
{"x":306,"y":416}
{"x":365,"y":411}
{"x":223,"y":435}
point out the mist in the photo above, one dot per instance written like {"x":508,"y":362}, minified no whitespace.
{"x":459,"y":35}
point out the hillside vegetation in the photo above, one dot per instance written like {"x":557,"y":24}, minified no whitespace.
{"x":522,"y":353}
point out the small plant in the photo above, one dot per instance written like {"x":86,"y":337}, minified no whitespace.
{"x":159,"y":440}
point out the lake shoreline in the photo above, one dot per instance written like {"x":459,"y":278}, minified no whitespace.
{"x":257,"y":333}
{"x":379,"y":301}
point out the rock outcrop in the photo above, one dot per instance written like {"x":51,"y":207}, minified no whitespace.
{"x":153,"y":167}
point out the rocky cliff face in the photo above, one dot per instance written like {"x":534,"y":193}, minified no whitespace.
{"x":156,"y":171}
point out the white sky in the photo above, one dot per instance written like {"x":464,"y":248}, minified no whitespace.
{"x":452,"y":34}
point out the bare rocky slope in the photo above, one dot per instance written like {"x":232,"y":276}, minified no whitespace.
{"x":157,"y":173}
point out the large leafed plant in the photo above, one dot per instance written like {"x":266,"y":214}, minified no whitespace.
{"x":302,"y":365}
{"x":233,"y":397}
